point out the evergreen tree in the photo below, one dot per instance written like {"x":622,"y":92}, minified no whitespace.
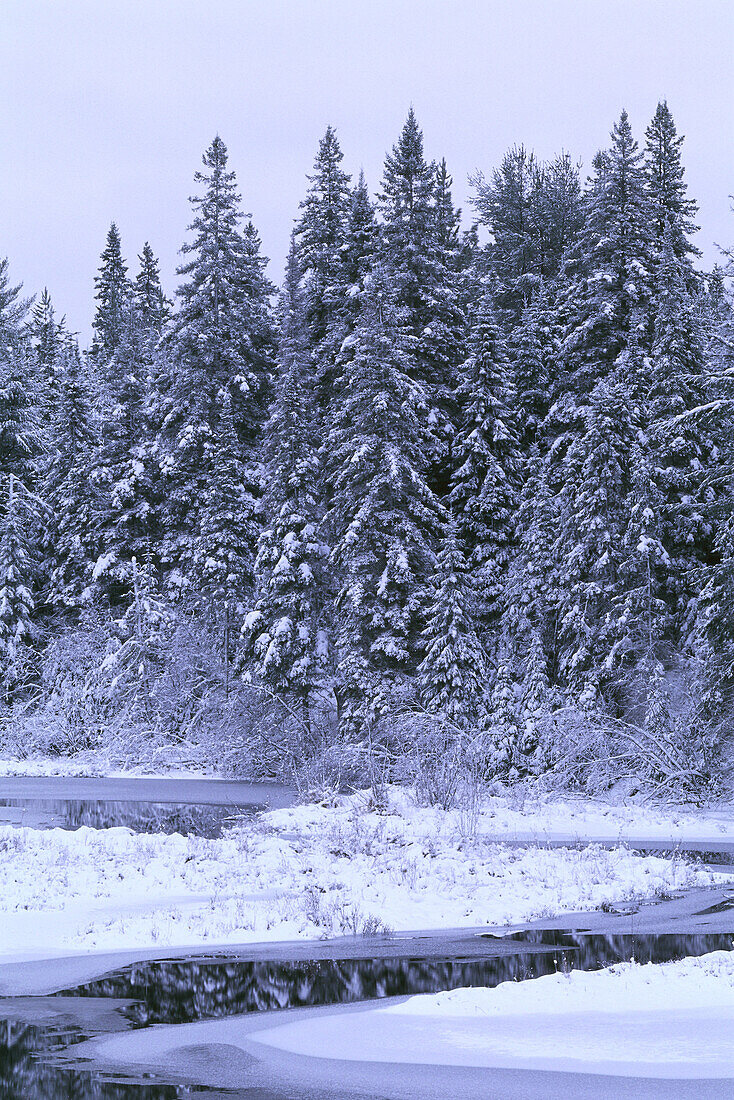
{"x":531,"y":599}
{"x":681,"y":447}
{"x":452,"y":675}
{"x":557,"y":215}
{"x":643,"y":615}
{"x":123,"y":471}
{"x":609,"y":299}
{"x":16,"y":583}
{"x":151,"y":304}
{"x":533,"y":214}
{"x":505,"y":207}
{"x":384,"y":517}
{"x":418,"y":252}
{"x":222,"y":334}
{"x":285,"y":634}
{"x":672,"y":212}
{"x":220,"y":343}
{"x":503,"y":720}
{"x":223,"y":546}
{"x":717,"y":625}
{"x":589,"y":544}
{"x":487,"y":461}
{"x":532,"y":349}
{"x":320,"y":235}
{"x":360,"y":247}
{"x":141,"y":638}
{"x":69,"y":537}
{"x":47,"y":336}
{"x":21,"y":438}
{"x":13,"y":308}
{"x":112,"y":297}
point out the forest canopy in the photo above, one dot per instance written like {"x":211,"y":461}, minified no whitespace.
{"x":450,"y":499}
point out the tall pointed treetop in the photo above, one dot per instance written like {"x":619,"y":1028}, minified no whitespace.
{"x":112,"y":295}
{"x":670,"y":205}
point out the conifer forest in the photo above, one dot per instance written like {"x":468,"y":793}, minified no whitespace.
{"x":453,"y":499}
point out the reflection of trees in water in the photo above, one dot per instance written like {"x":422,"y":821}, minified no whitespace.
{"x":179,"y":992}
{"x":24,"y":1075}
{"x":141,"y":817}
{"x":591,"y":952}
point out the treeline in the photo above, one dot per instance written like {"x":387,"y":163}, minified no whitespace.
{"x":478,"y":477}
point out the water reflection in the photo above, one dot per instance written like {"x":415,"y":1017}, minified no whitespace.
{"x":27,"y":1071}
{"x":141,"y":817}
{"x":182,"y":991}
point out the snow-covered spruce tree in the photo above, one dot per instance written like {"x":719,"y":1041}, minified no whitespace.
{"x":487,"y":460}
{"x":20,"y":401}
{"x":21,"y":444}
{"x":285,"y":642}
{"x":716,"y":618}
{"x":642,"y":614}
{"x":452,"y":675}
{"x":503,"y":721}
{"x":384,"y":519}
{"x":610,"y":296}
{"x":533,"y":214}
{"x":589,"y":544}
{"x":533,"y":350}
{"x":47,"y":336}
{"x":320,"y":236}
{"x":13,"y":308}
{"x":682,"y":450}
{"x":112,"y":296}
{"x":220,"y":342}
{"x":139,"y":645}
{"x":151,"y":305}
{"x":530,"y":603}
{"x":715,"y":610}
{"x":591,"y":424}
{"x":672,"y":212}
{"x":361,"y":241}
{"x":123,"y":472}
{"x":228,"y":529}
{"x":16,"y":585}
{"x":419,"y":255}
{"x":69,"y":538}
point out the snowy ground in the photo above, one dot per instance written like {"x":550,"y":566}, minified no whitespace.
{"x":95,"y":765}
{"x":521,"y":815}
{"x":307,"y":871}
{"x":672,"y":1020}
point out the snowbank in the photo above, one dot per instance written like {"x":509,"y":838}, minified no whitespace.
{"x":703,"y":982}
{"x":522,"y":815}
{"x":94,"y":765}
{"x":674,"y":1020}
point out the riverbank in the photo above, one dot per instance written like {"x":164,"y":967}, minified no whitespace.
{"x":314,"y":871}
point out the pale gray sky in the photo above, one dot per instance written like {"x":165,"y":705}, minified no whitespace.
{"x":107,"y":106}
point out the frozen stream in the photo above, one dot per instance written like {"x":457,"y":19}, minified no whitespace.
{"x":40,"y":1036}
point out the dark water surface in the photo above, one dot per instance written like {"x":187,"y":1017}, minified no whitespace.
{"x":35,"y":1058}
{"x":142,"y":817}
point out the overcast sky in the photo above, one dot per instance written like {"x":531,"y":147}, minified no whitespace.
{"x":107,"y":106}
